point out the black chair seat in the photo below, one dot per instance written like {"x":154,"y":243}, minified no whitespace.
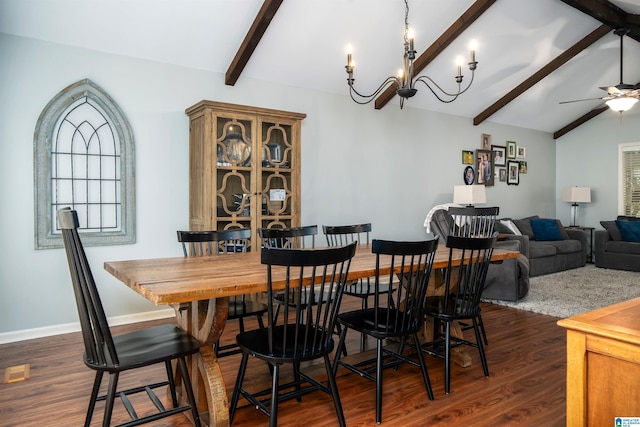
{"x":239,"y":309}
{"x":147,"y":347}
{"x":434,"y":307}
{"x":298,"y":348}
{"x":362,"y":290}
{"x":380,"y":325}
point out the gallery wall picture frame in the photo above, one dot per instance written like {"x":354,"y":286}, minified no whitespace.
{"x":485,"y":141}
{"x":513,"y":172}
{"x":484,"y":167}
{"x":521,"y":152}
{"x":500,"y":155}
{"x":511,"y":149}
{"x":469,"y":175}
{"x":467,"y":157}
{"x":523,"y":167}
{"x":502,"y":172}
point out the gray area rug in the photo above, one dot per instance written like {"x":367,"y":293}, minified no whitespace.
{"x":576,"y":291}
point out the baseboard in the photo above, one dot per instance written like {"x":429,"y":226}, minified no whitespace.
{"x":47,"y":331}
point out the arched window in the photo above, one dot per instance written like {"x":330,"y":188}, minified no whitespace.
{"x":84,"y":157}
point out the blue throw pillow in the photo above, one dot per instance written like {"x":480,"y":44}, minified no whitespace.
{"x":545,"y":229}
{"x":630,"y":230}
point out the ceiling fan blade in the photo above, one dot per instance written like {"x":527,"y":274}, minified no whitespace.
{"x":586,"y":99}
{"x":612,"y":90}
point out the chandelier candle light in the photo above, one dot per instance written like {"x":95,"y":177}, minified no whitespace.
{"x":405,"y":81}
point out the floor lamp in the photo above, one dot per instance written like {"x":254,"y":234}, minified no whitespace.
{"x":576,"y":195}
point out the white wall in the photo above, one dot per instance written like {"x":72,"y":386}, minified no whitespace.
{"x":588,"y":157}
{"x":388,"y":167}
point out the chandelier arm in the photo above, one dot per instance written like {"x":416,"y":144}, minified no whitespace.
{"x":424,"y":79}
{"x":368,"y":98}
{"x":438,"y":97}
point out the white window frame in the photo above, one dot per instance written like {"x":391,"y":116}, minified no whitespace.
{"x":622,"y":148}
{"x":47,"y":233}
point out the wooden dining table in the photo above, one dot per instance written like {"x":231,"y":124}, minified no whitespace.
{"x":198,"y":288}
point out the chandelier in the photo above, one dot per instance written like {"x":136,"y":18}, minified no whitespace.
{"x":405,"y":80}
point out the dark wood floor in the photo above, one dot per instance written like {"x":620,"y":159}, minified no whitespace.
{"x":527,"y":386}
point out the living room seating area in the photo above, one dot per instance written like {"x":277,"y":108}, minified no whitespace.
{"x":545,"y":246}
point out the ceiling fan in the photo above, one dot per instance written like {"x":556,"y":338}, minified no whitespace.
{"x":620,"y":97}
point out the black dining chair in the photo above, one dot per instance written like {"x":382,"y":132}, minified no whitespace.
{"x":470,"y":221}
{"x":302,"y":333}
{"x":460,"y":301}
{"x":199,"y":243}
{"x":105,"y":353}
{"x":338,"y":235}
{"x":394,"y":315}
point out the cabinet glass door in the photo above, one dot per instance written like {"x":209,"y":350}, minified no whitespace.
{"x":277,"y":165}
{"x":234,"y":184}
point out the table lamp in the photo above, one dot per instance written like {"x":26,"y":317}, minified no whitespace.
{"x":469,"y":194}
{"x":576,"y":195}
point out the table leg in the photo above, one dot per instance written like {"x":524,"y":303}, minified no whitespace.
{"x":205,"y":320}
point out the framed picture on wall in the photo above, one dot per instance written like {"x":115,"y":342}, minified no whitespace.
{"x":485,"y":141}
{"x":503,"y":174}
{"x":467,"y":157}
{"x":500,"y":155}
{"x":484,"y":167}
{"x":469,"y":175}
{"x":523,"y":167}
{"x":511,"y":149}
{"x":513,"y":172}
{"x":521,"y":152}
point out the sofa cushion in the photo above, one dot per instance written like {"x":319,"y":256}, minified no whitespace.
{"x":620,"y":247}
{"x":612,"y":228}
{"x":524,"y":225}
{"x":545,"y":229}
{"x":541,"y":250}
{"x":630,"y":230}
{"x":567,"y":246}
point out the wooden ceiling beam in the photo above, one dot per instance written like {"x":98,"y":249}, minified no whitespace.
{"x":577,"y":122}
{"x":609,"y":14}
{"x":251,"y":40}
{"x":560,"y":60}
{"x":457,"y":28}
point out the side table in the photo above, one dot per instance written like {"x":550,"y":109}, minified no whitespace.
{"x":590,"y":231}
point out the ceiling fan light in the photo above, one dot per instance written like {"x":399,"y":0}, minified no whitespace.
{"x":621,"y":103}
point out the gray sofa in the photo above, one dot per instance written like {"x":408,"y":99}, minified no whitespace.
{"x":612,"y":251}
{"x":508,"y":280}
{"x":567,"y":250}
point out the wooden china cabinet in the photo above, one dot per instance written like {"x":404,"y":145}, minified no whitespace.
{"x":244,"y":167}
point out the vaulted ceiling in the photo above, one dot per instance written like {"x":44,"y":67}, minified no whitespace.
{"x":532,"y":54}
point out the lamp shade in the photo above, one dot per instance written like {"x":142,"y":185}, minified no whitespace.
{"x":621,"y":103}
{"x":577,"y":195}
{"x":469,"y":194}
